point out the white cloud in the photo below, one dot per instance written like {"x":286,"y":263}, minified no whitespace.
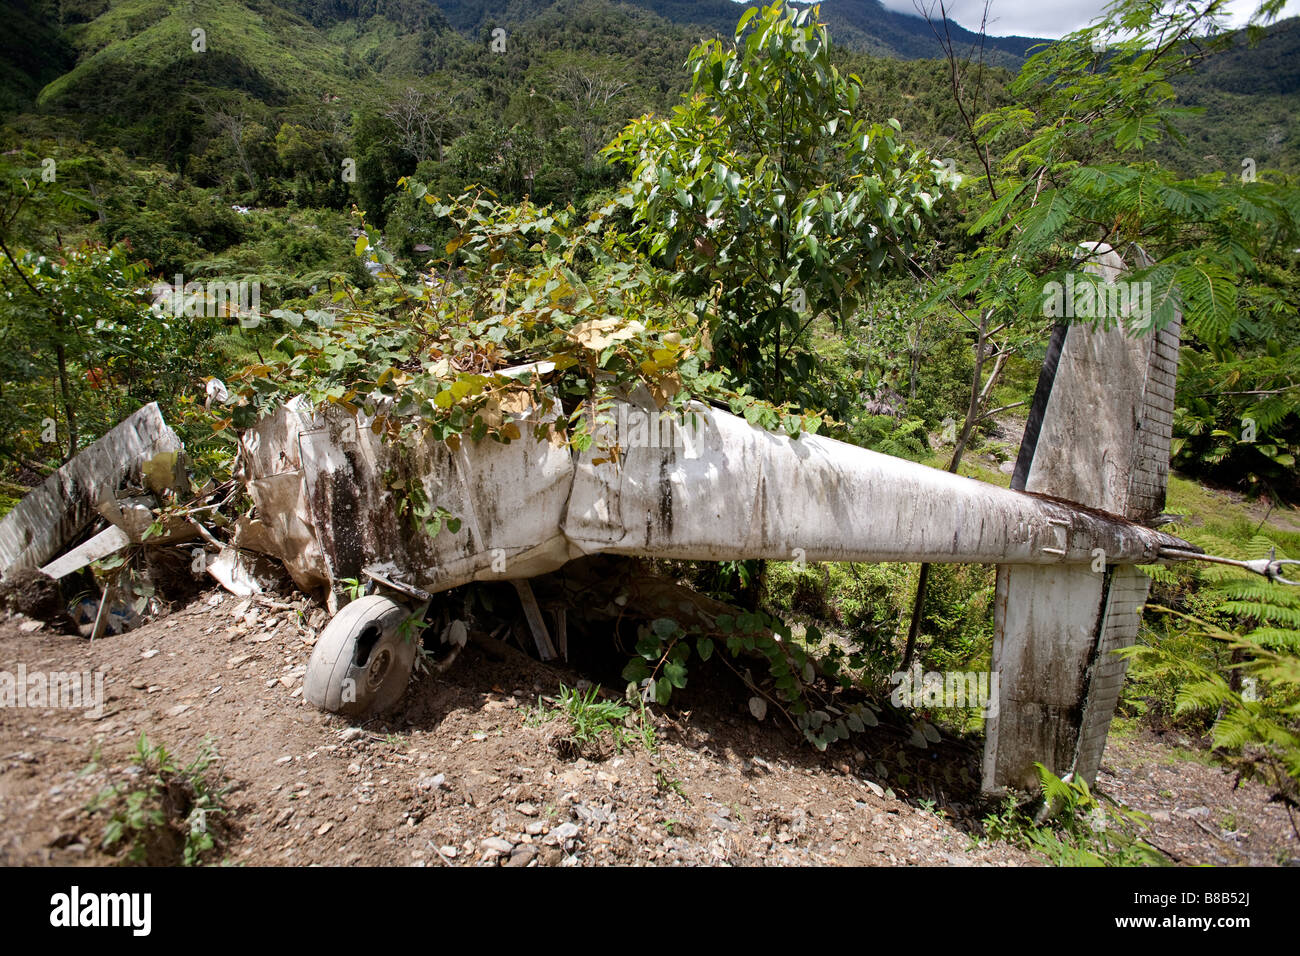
{"x":1044,"y":18}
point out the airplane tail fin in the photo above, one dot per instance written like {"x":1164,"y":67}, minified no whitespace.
{"x":1101,"y":420}
{"x":1098,"y":435}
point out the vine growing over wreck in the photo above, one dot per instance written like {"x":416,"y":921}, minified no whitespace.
{"x":528,"y":308}
{"x":804,"y":675}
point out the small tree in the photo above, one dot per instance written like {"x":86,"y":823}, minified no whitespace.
{"x":770,"y":201}
{"x":1066,"y":164}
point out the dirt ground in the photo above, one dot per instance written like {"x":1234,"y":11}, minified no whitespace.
{"x":465,"y":772}
{"x":1198,"y":813}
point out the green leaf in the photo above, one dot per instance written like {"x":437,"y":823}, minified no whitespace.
{"x":663,"y":691}
{"x":664,"y":627}
{"x":649,"y":647}
{"x":636,"y":670}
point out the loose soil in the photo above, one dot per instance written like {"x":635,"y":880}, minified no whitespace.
{"x":467,"y":769}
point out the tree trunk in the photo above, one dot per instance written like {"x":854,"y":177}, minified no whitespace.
{"x":974,"y":409}
{"x":65,"y":391}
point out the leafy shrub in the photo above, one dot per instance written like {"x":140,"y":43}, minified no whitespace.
{"x":1073,"y":826}
{"x":1246,"y":686}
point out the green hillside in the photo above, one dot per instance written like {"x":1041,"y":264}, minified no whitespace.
{"x":33,"y":52}
{"x":144,"y":51}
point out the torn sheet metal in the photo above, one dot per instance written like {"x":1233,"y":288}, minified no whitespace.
{"x":281,"y":525}
{"x":109,"y":541}
{"x":364,"y":495}
{"x":233,"y":573}
{"x":132,"y":515}
{"x":142,"y":452}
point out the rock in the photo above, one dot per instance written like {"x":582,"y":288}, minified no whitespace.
{"x":436,"y":782}
{"x":873,"y":787}
{"x":448,"y":851}
{"x":566,"y":831}
{"x":550,"y":856}
{"x":352,"y":733}
{"x":497,"y":845}
{"x":591,"y":815}
{"x":153,"y":652}
{"x":324,"y":828}
{"x":522,"y":855}
{"x":536,"y":828}
{"x":527,"y":809}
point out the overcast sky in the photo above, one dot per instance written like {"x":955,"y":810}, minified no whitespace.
{"x":1045,"y":18}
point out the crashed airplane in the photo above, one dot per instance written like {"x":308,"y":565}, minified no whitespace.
{"x":1067,"y":538}
{"x":1090,"y":478}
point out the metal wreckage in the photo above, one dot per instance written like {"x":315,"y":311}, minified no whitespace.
{"x":1067,"y":538}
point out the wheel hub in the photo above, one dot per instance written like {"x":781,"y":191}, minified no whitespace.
{"x":378,"y":669}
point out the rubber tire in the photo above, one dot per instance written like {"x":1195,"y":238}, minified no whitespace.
{"x":380,"y":680}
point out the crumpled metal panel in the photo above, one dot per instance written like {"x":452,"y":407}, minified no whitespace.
{"x":509,"y":498}
{"x":271,"y":466}
{"x":58,"y":509}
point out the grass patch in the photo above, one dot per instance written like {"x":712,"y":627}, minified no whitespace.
{"x":167,"y":814}
{"x":583,"y":725}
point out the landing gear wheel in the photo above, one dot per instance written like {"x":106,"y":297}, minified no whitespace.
{"x":362,"y":661}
